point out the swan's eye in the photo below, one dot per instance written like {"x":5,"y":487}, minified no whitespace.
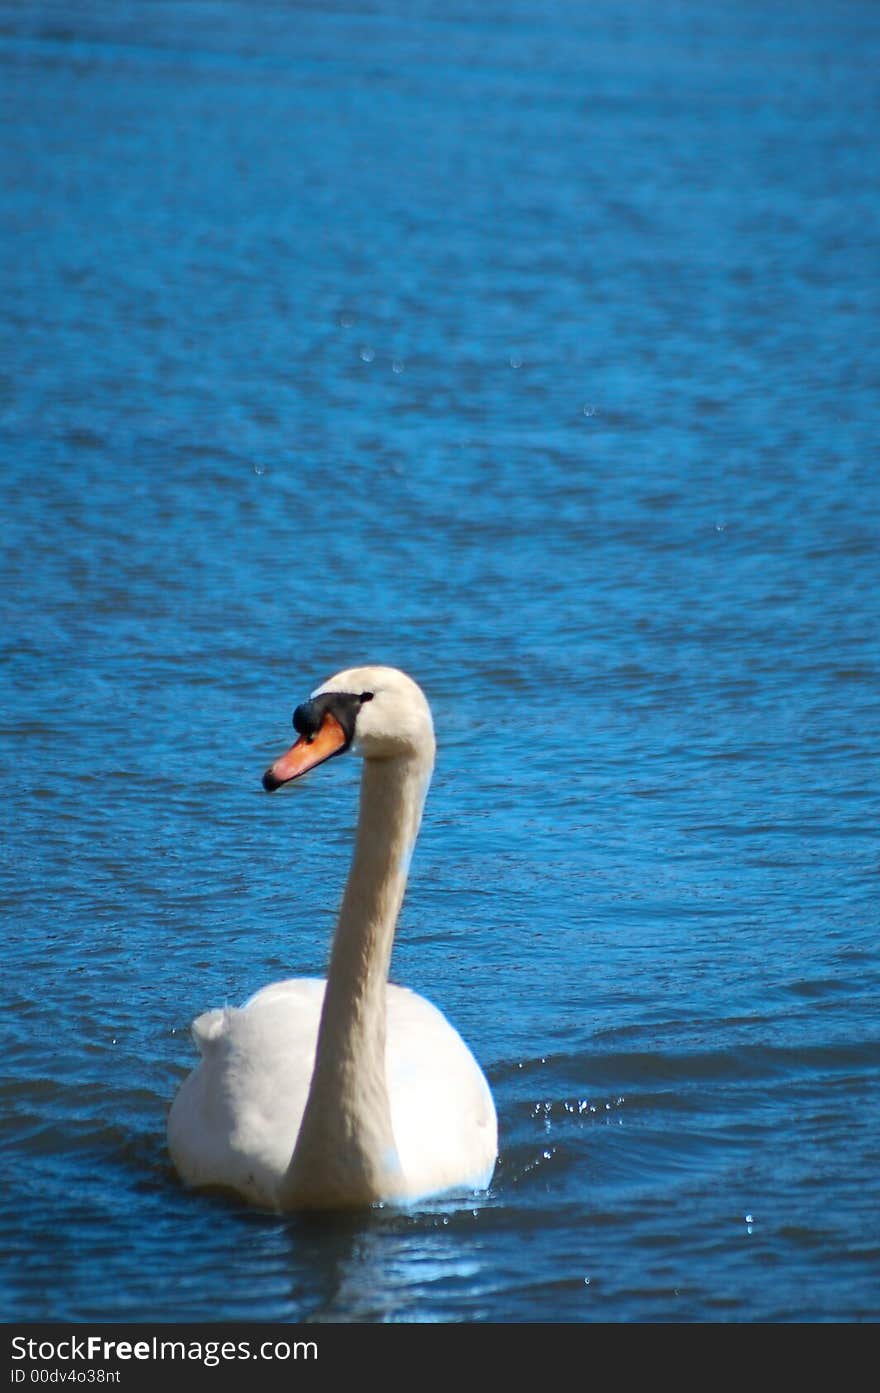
{"x":366,"y":696}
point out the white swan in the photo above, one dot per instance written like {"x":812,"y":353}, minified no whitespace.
{"x":336,"y":1095}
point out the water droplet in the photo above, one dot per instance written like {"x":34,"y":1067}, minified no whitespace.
{"x":367,"y":354}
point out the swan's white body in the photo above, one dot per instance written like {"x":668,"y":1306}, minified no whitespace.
{"x":353,"y":1091}
{"x":236,"y":1119}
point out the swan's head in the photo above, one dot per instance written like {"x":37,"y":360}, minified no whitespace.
{"x":378,"y":712}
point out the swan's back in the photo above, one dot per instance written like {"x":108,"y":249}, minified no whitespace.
{"x":236,"y":1117}
{"x":442,"y":1111}
{"x":235,"y":1121}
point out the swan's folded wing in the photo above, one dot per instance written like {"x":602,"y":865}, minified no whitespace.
{"x":441,"y":1106}
{"x":236,"y":1117}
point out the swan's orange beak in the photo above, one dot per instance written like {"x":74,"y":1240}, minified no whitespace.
{"x":330,"y":739}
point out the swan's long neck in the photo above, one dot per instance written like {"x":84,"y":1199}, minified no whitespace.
{"x":345,"y":1152}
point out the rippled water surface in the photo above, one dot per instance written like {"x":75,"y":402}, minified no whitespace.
{"x":534,"y":349}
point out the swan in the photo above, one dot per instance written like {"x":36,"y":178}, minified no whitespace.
{"x":349,"y":1092}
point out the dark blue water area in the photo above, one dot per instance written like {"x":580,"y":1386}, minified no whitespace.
{"x":534,"y":349}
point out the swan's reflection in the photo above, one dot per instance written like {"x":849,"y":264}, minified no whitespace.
{"x":373,"y":1267}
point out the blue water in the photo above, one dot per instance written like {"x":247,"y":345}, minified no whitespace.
{"x":535,"y":349}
